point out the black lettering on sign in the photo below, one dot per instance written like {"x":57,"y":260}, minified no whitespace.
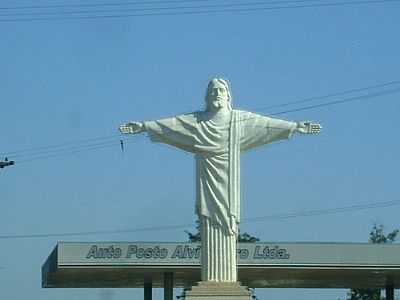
{"x":243,"y":253}
{"x":104,"y":252}
{"x":181,"y":252}
{"x":146,"y":253}
{"x":270,"y":253}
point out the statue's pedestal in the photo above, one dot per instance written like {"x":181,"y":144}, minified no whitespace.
{"x":210,"y":290}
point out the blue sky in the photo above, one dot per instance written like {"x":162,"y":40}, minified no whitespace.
{"x":73,"y":80}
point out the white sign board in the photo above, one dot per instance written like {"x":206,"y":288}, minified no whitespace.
{"x":156,"y":253}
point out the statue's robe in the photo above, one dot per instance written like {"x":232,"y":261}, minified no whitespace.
{"x":217,"y":143}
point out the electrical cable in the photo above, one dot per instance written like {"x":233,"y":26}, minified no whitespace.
{"x":318,"y":212}
{"x":162,"y":8}
{"x":126,"y":3}
{"x":116,"y":138}
{"x":273,"y":217}
{"x":311,"y":99}
{"x":342,"y":101}
{"x":79,"y":149}
{"x":72,"y":148}
{"x":202,"y":12}
{"x":34,"y":150}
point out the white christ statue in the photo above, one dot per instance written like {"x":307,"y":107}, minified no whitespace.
{"x":216,"y":137}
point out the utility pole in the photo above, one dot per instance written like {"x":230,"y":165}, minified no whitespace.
{"x":6,"y":163}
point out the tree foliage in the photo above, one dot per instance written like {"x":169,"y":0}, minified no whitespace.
{"x":376,"y":236}
{"x":242,"y":238}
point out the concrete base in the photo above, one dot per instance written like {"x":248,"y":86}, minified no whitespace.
{"x":210,"y":290}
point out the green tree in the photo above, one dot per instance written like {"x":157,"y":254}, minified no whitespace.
{"x":242,"y":238}
{"x":376,"y":236}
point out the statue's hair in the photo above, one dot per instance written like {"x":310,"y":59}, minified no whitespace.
{"x":225,"y":83}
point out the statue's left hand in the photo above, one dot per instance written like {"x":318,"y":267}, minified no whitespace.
{"x":308,"y":127}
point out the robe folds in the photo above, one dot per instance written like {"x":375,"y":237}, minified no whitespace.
{"x":217,"y":143}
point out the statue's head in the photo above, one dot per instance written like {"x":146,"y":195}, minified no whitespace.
{"x":218,"y":95}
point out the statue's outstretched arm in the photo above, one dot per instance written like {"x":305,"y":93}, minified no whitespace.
{"x":308,"y":127}
{"x":132,"y":128}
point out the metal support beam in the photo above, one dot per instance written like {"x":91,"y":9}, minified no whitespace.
{"x":168,"y":286}
{"x":148,"y":293}
{"x":389,"y":292}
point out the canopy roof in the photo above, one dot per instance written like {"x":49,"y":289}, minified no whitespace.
{"x":261,"y":265}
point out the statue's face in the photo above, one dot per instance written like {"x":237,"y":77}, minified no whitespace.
{"x":217,"y":97}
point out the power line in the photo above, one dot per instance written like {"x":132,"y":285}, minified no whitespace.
{"x":187,"y":11}
{"x":110,"y":141}
{"x":97,"y":232}
{"x":127,"y":3}
{"x":318,"y":212}
{"x":341,"y":93}
{"x":342,"y":101}
{"x":146,"y":3}
{"x":273,"y":217}
{"x":244,"y":4}
{"x":61,"y":145}
{"x":75,"y":150}
{"x":72,"y":148}
{"x":161,"y":8}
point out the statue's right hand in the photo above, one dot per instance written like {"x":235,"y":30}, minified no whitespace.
{"x":131,"y":127}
